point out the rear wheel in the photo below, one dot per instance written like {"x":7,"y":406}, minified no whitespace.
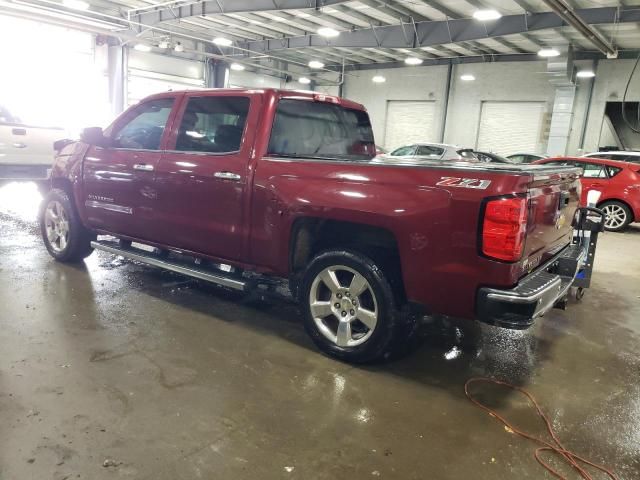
{"x":66,"y":239}
{"x":617,"y":216}
{"x":349,"y":307}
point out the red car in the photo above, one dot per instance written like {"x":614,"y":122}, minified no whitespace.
{"x":618,"y":181}
{"x":232,"y":186}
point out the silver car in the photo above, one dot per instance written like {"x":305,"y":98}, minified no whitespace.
{"x":431,"y":151}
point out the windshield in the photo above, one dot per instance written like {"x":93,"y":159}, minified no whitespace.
{"x":308,"y":129}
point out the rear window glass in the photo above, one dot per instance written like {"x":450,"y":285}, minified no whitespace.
{"x":613,"y":171}
{"x":403,"y":151}
{"x":307,"y":129}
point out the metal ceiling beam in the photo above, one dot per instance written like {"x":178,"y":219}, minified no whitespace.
{"x":151,"y":15}
{"x":433,"y":33}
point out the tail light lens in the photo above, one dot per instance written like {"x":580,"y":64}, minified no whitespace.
{"x":504,"y":228}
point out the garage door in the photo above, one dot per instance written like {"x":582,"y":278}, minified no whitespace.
{"x":510,"y":127}
{"x":408,"y":122}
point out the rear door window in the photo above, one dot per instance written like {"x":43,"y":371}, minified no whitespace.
{"x":145,"y":125}
{"x":213,"y":124}
{"x":592,"y":170}
{"x":429,"y":151}
{"x":308,"y":129}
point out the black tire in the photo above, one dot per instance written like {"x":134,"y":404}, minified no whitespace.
{"x":384,"y":339}
{"x":77,"y":243}
{"x":625,"y":215}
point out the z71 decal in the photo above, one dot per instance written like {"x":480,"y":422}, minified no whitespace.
{"x":464,"y":182}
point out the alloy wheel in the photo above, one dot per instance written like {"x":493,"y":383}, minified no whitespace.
{"x":56,"y":224}
{"x":615,"y":216}
{"x":343,"y":306}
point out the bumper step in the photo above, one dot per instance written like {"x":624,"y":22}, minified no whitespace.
{"x":178,"y":266}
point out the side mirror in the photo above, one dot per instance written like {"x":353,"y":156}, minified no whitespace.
{"x":95,"y":136}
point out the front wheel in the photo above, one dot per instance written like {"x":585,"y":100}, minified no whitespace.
{"x":64,"y":235}
{"x":349,"y":307}
{"x":617,"y":216}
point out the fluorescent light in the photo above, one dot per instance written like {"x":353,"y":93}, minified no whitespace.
{"x":76,"y":4}
{"x":223,"y":42}
{"x":328,"y":32}
{"x":304,"y":80}
{"x":178,"y":48}
{"x":141,"y":47}
{"x":316,"y":64}
{"x":467,"y":77}
{"x":164,"y":44}
{"x":237,"y":67}
{"x":484,"y":15}
{"x":586,"y":74}
{"x":378,"y":79}
{"x":413,"y":61}
{"x":548,"y":52}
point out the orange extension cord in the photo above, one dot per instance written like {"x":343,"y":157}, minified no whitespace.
{"x":556,"y":447}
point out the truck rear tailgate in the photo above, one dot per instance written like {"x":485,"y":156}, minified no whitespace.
{"x":554,"y":196}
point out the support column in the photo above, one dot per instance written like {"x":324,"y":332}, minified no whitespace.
{"x":561,"y":119}
{"x":117,"y":57}
{"x":217,"y":73}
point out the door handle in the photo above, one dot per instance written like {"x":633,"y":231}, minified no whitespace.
{"x":19,"y":131}
{"x":20,"y":145}
{"x":228,"y":176}
{"x":144,"y":167}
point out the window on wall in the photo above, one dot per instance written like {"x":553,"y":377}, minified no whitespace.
{"x":51,"y":76}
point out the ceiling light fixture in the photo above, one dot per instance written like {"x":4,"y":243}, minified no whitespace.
{"x":223,"y":42}
{"x":413,"y":61}
{"x":378,"y":79}
{"x":328,"y":32}
{"x":141,"y":47}
{"x":316,"y":64}
{"x":467,"y":77}
{"x":485,"y":15}
{"x":304,"y":80}
{"x":237,"y":67}
{"x":76,"y":4}
{"x":586,"y":74}
{"x":548,"y":52}
{"x":178,"y":48}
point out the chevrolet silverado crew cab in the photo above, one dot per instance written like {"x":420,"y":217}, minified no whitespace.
{"x":234,"y":185}
{"x":26,"y":151}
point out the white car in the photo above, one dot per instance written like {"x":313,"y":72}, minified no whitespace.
{"x":525,"y":157}
{"x":431,"y":151}
{"x":26,"y":151}
{"x":621,"y":155}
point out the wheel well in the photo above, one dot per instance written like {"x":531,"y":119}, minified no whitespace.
{"x":62,"y":184}
{"x":311,"y":236}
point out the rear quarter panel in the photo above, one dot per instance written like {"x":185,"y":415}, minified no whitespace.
{"x":436,"y":227}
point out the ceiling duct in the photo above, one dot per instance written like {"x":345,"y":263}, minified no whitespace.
{"x":560,"y":69}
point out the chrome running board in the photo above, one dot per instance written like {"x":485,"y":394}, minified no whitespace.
{"x":184,"y":268}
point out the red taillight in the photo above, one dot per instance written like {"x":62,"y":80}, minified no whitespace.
{"x":504,"y":228}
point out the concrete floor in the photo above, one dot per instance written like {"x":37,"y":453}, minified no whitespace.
{"x":168,"y":378}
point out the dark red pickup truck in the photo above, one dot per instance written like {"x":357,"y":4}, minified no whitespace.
{"x":232,"y":185}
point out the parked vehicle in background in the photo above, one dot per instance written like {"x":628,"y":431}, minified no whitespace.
{"x":432,"y":151}
{"x":491,"y":157}
{"x":237,"y":186}
{"x":618,"y":181}
{"x":620,"y":155}
{"x":525,"y":157}
{"x":26,"y":151}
